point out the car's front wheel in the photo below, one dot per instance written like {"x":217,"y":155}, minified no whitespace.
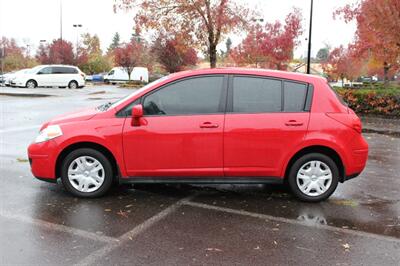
{"x":313,"y":177}
{"x":31,"y":84}
{"x":86,"y":173}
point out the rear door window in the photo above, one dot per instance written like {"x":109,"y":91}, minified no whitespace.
{"x":58,"y":70}
{"x":256,"y":95}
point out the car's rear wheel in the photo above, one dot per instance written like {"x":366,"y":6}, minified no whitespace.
{"x":313,"y":177}
{"x":86,"y":173}
{"x":73,"y":85}
{"x":31,"y":84}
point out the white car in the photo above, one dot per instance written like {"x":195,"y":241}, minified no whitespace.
{"x":119,"y":75}
{"x":11,"y":76}
{"x":51,"y":76}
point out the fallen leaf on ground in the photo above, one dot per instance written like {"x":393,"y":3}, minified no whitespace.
{"x":122,"y":213}
{"x":213,"y":249}
{"x":346,"y":246}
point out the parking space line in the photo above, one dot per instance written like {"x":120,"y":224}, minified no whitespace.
{"x":102,"y":252}
{"x":57,"y":227}
{"x":292,"y":222}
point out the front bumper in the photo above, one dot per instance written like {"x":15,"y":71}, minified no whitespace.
{"x":42,"y":158}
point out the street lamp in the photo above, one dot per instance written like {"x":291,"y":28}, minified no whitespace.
{"x":261,"y":20}
{"x":77,"y":26}
{"x":309,"y":39}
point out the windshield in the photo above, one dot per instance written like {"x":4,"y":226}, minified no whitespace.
{"x":34,"y":70}
{"x":106,"y":106}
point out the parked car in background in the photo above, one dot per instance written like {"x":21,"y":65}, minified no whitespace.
{"x":208,"y":126}
{"x":10,"y":77}
{"x":96,"y":77}
{"x":119,"y":75}
{"x":51,"y":76}
{"x":4,"y":77}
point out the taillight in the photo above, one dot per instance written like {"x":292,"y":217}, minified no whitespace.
{"x":351,"y":120}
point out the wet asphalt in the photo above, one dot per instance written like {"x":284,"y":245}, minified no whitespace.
{"x":41,"y":224}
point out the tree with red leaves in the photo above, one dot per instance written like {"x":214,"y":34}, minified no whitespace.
{"x":42,"y":54}
{"x":344,"y":63}
{"x":205,"y":20}
{"x":14,"y":57}
{"x":270,"y":46}
{"x":128,"y":56}
{"x":250,"y":51}
{"x":173,"y":54}
{"x":58,"y":52}
{"x":378,"y":31}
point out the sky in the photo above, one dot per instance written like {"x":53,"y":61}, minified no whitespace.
{"x":29,"y":21}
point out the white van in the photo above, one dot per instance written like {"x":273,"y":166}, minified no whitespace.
{"x":119,"y":75}
{"x":51,"y":76}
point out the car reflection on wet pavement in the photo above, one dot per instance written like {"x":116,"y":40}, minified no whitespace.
{"x":190,"y":225}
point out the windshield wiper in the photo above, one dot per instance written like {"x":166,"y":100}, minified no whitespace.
{"x":104,"y":107}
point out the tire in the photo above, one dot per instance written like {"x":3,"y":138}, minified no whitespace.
{"x":84,"y":181}
{"x":73,"y":84}
{"x":319,"y":179}
{"x":31,"y":84}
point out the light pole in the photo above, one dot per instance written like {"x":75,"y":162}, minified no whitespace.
{"x":261,"y":20}
{"x":309,"y":39}
{"x":77,"y":26}
{"x":61,"y":22}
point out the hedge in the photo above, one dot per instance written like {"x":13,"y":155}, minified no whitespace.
{"x":382,"y":102}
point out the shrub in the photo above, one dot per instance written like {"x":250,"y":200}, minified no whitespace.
{"x":373,"y":101}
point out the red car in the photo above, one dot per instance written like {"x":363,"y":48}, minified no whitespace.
{"x":208,"y":126}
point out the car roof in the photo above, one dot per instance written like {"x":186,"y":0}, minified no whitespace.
{"x":57,"y":65}
{"x":252,"y":71}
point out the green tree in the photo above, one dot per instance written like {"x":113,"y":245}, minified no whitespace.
{"x":323,"y":54}
{"x":115,"y":42}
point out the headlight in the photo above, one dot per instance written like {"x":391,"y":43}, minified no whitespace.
{"x":49,"y":133}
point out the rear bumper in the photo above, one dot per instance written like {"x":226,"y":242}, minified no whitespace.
{"x":347,"y":178}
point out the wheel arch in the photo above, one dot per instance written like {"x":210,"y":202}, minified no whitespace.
{"x":328,"y":151}
{"x":92,"y":145}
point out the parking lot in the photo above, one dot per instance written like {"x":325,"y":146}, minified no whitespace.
{"x":181,"y":224}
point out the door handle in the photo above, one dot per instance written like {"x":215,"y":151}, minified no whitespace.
{"x":208,"y":125}
{"x":293,"y":123}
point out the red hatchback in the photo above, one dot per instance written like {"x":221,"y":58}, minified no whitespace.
{"x":208,"y":126}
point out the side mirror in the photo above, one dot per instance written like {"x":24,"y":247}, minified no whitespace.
{"x":137,"y":114}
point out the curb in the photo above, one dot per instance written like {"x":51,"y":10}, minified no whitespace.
{"x":382,"y":131}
